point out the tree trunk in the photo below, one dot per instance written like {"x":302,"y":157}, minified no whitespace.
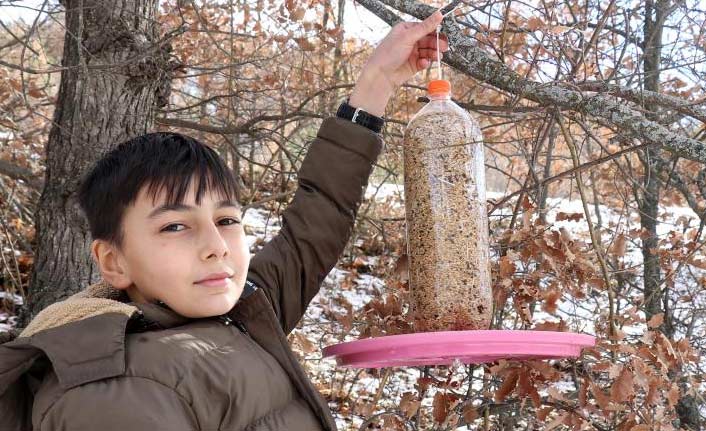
{"x":117,"y":73}
{"x":657,"y":301}
{"x":649,"y":203}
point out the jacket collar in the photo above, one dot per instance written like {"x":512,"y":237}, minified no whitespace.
{"x":84,"y":335}
{"x":159,"y":314}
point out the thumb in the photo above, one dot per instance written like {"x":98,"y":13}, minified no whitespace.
{"x":427,"y":26}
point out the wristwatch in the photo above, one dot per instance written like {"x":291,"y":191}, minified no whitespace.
{"x":361,"y":117}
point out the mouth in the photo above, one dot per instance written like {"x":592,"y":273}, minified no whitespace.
{"x":215,"y":280}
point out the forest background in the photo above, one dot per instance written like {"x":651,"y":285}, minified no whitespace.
{"x":594,"y":125}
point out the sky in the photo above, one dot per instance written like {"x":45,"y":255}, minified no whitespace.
{"x":357,"y":20}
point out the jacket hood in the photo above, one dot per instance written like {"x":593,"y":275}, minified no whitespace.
{"x":83,"y":336}
{"x":95,"y":300}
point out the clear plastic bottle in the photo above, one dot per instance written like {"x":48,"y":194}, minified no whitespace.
{"x":447,"y":222}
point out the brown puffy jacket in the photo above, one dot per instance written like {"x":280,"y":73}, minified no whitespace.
{"x":97,"y":361}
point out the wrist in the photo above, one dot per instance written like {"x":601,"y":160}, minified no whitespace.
{"x":360,"y":116}
{"x":371,"y":93}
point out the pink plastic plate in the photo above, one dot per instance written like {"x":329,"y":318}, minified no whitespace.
{"x":469,"y":347}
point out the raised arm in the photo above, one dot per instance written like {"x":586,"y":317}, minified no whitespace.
{"x":318,"y":222}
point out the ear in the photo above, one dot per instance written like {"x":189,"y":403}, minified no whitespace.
{"x":111,"y":263}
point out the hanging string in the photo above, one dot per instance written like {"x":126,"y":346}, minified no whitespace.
{"x":438,"y":55}
{"x":438,"y":50}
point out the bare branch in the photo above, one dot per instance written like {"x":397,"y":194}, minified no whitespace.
{"x":477,"y":64}
{"x":19,"y":173}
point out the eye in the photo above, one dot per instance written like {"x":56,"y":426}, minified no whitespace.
{"x":174,"y":227}
{"x":227,"y":221}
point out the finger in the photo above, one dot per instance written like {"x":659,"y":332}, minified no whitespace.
{"x":427,"y":26}
{"x":422,"y":63}
{"x":443,"y":47}
{"x":429,"y":41}
{"x":433,"y":20}
{"x":428,"y":53}
{"x":441,"y":35}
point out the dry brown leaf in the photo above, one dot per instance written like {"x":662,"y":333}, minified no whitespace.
{"x":297,"y":14}
{"x":35,"y":92}
{"x":470,"y":414}
{"x":656,"y":320}
{"x":583,"y":394}
{"x":306,"y":344}
{"x":652,"y":397}
{"x":440,"y":407}
{"x":550,"y":300}
{"x":559,"y":326}
{"x":601,"y":398}
{"x":554,"y":393}
{"x":561,"y":216}
{"x":523,"y":383}
{"x":334,"y":32}
{"x":543,"y":413}
{"x":673,"y":395}
{"x":508,"y":386}
{"x":623,"y":389}
{"x":558,"y":29}
{"x":641,"y":377}
{"x":246,"y":13}
{"x":614,"y":371}
{"x":409,"y":405}
{"x":619,"y":246}
{"x":507,"y":267}
{"x":365,"y":408}
{"x":560,"y":420}
{"x":534,"y":23}
{"x":401,"y":270}
{"x":305,"y":44}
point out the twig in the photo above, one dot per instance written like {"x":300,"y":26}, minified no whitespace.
{"x":594,"y":238}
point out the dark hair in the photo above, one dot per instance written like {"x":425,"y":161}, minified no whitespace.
{"x":159,"y":161}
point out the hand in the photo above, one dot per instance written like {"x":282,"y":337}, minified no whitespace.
{"x":408,"y":48}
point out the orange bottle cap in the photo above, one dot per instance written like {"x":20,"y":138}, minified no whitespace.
{"x":439,"y":86}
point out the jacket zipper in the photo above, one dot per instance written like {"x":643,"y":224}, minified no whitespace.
{"x":227,"y":321}
{"x":242,"y":327}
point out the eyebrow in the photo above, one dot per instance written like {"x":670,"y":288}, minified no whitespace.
{"x":181,"y":207}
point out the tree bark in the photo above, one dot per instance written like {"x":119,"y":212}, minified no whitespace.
{"x":476,"y":63}
{"x":116,"y":73}
{"x":649,"y":203}
{"x":657,"y":301}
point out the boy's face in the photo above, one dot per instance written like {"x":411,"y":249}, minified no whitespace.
{"x":192,"y":257}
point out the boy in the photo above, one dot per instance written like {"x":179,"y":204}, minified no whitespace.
{"x":185,"y":332}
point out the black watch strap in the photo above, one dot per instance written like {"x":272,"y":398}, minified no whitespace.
{"x":361,"y":117}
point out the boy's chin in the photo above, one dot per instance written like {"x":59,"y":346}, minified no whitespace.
{"x":212,"y":307}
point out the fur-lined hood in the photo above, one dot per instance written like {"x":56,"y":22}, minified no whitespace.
{"x":97,"y":299}
{"x":95,"y":321}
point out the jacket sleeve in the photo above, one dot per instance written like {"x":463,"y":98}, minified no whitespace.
{"x":319,"y":220}
{"x":124,"y":403}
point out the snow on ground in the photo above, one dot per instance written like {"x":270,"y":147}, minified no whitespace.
{"x":317,"y":326}
{"x":7,"y":322}
{"x":365,"y":287}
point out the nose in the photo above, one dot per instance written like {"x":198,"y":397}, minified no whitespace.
{"x":214,"y":246}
